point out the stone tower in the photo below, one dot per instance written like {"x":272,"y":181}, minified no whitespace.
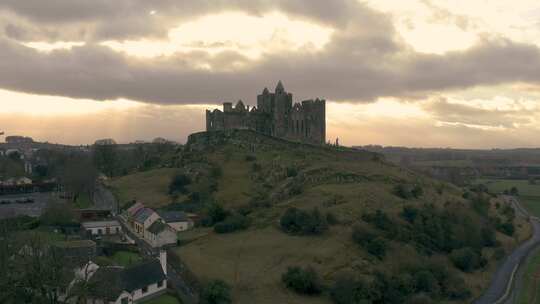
{"x":275,"y":115}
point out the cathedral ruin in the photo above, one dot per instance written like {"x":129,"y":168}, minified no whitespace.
{"x":275,"y":115}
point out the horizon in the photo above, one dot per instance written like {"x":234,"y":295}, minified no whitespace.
{"x":71,"y":76}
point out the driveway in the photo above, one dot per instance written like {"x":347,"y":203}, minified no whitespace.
{"x":499,"y":290}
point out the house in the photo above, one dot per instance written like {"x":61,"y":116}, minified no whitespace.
{"x":178,"y":220}
{"x":23,"y":181}
{"x":160,"y":234}
{"x":130,"y":285}
{"x":102,"y":227}
{"x":131,"y":211}
{"x":143,"y":219}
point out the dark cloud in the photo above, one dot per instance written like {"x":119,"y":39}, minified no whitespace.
{"x":364,"y":60}
{"x":127,"y":19}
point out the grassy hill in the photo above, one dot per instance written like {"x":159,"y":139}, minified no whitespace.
{"x":261,"y":178}
{"x":149,"y":187}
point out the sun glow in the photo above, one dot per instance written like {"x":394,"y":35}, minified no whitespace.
{"x":232,"y":31}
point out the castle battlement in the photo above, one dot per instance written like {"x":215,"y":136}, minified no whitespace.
{"x":275,"y":115}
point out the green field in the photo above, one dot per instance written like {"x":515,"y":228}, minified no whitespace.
{"x":164,"y":299}
{"x":529,"y":194}
{"x":528,"y":292}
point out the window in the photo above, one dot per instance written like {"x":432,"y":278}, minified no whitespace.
{"x":145,"y":289}
{"x":100,"y":231}
{"x":117,"y":229}
{"x":124,"y":300}
{"x":160,"y":284}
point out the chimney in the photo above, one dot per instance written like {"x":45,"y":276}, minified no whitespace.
{"x":163,"y":260}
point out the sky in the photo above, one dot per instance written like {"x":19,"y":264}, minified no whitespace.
{"x":423,"y":73}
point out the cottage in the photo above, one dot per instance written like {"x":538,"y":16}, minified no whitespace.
{"x":132,"y":285}
{"x":178,"y":220}
{"x":160,"y":234}
{"x":143,"y":219}
{"x":102,"y":227}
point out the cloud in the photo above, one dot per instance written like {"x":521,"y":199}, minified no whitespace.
{"x":365,"y":59}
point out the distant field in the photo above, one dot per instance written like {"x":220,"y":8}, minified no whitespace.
{"x":126,"y":258}
{"x":529,"y":291}
{"x":149,"y":187}
{"x":444,"y":163}
{"x":529,"y":194}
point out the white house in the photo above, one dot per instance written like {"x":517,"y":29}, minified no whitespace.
{"x":160,"y":234}
{"x":143,"y":219}
{"x":102,"y":227}
{"x":178,"y":220}
{"x":131,"y":285}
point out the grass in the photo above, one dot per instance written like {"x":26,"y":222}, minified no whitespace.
{"x":83,"y":201}
{"x":164,"y":299}
{"x":148,"y":187}
{"x":529,"y":293}
{"x":529,"y":194}
{"x":126,"y":258}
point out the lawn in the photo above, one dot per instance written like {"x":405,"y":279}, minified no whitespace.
{"x":529,"y":291}
{"x":126,"y":258}
{"x":164,"y":299}
{"x":150,"y":187}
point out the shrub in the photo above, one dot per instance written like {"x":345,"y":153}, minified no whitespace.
{"x":298,"y":221}
{"x":466,"y":259}
{"x":369,"y":241}
{"x":291,"y":172}
{"x":409,"y":213}
{"x":215,"y":213}
{"x":216,"y":292}
{"x":348,"y":290}
{"x":488,"y":236}
{"x":178,"y":183}
{"x":232,"y":223}
{"x":331,"y":219}
{"x":251,"y":158}
{"x":506,"y":228}
{"x":408,"y":191}
{"x":305,"y":281}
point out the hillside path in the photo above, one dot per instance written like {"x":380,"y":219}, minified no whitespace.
{"x":500,"y":289}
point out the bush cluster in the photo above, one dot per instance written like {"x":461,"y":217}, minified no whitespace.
{"x":296,"y":221}
{"x":302,"y":280}
{"x":430,"y":283}
{"x":373,"y":244}
{"x":408,"y":191}
{"x":216,"y":292}
{"x":232,"y":223}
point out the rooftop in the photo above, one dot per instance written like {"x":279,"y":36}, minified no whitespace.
{"x":143,"y":214}
{"x":98,"y":224}
{"x":109,"y":282}
{"x":173,"y":216}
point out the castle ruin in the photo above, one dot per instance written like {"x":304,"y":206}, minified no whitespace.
{"x":275,"y":115}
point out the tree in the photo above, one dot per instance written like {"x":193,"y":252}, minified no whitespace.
{"x":466,"y":259}
{"x":105,"y":158}
{"x":79,"y":176}
{"x":58,"y":214}
{"x":178,"y":183}
{"x":305,"y":281}
{"x":216,"y":292}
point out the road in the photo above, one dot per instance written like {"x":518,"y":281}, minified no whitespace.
{"x":35,"y":209}
{"x":104,"y":199}
{"x":500,"y":289}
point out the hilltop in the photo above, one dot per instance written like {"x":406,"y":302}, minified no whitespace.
{"x":393,"y":235}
